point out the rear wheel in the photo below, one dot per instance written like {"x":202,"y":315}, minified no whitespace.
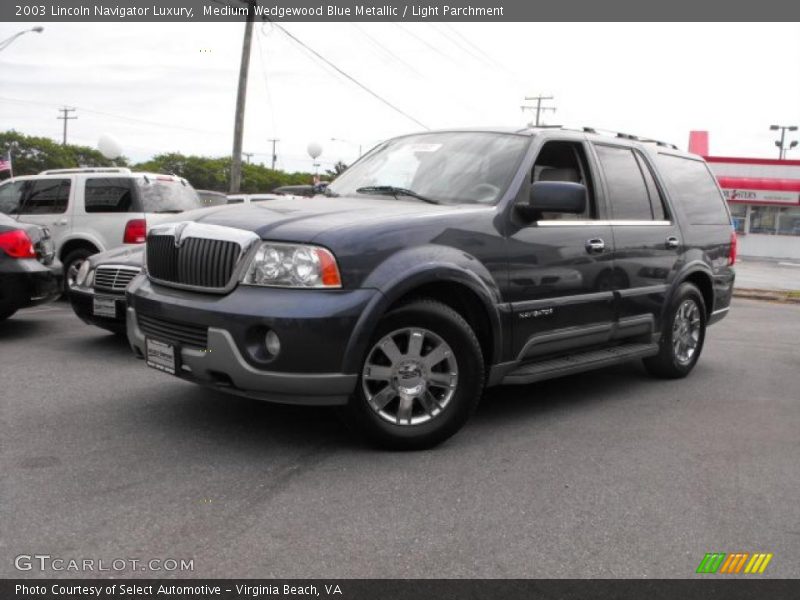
{"x":683,"y":335}
{"x":421,"y":379}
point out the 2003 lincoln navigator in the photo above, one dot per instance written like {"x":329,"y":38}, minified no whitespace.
{"x":439,"y":264}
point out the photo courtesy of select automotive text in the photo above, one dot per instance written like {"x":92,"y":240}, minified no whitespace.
{"x":398,"y":300}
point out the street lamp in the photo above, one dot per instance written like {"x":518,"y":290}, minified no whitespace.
{"x":7,"y":42}
{"x":781,"y":143}
{"x":349,"y":142}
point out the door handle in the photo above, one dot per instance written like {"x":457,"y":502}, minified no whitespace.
{"x":595,"y":246}
{"x":672,"y":242}
{"x":61,"y":222}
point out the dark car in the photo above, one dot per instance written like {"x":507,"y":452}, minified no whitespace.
{"x":98,"y":296}
{"x":301,"y":190}
{"x":29,"y":271}
{"x":437,"y":265}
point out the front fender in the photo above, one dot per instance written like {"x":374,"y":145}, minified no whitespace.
{"x":407,"y":270}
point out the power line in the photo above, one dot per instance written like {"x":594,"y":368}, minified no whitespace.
{"x":349,"y":77}
{"x":538,"y":108}
{"x":65,"y":117}
{"x":112,"y":115}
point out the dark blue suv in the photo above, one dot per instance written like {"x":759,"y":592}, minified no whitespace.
{"x":439,"y":264}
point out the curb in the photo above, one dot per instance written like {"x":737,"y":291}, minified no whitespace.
{"x":768,"y":295}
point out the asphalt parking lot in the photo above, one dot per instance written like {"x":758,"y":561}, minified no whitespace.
{"x":607,"y":474}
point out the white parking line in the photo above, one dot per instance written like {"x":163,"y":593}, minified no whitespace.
{"x":787,"y":264}
{"x":44,"y":309}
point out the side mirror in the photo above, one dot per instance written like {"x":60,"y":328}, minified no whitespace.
{"x":557,"y":197}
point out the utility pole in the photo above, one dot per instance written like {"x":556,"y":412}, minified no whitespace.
{"x":538,"y":108}
{"x":247,"y":155}
{"x":274,"y":154}
{"x":65,"y":117}
{"x":241,"y":98}
{"x":782,"y":142}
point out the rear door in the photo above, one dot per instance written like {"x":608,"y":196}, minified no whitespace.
{"x":109,"y":202}
{"x":48,"y":201}
{"x":647,"y":239}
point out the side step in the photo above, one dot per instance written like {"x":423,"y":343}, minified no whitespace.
{"x":566,"y":365}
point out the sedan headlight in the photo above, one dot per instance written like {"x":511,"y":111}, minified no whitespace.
{"x":83,"y":272}
{"x":293,"y":265}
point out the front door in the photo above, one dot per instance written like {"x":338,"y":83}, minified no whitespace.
{"x":46,"y":202}
{"x":560,"y":272}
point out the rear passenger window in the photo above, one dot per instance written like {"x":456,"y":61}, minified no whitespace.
{"x":628,"y":194}
{"x":109,"y":195}
{"x":46,"y":197}
{"x":10,"y":197}
{"x":656,"y":201}
{"x":692,"y":185}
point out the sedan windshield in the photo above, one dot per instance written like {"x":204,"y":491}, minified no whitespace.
{"x":441,"y":168}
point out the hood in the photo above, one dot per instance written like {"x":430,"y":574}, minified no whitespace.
{"x":129,"y":256}
{"x":303,"y":219}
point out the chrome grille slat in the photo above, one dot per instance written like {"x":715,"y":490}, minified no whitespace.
{"x":173,"y":331}
{"x":199,"y":262}
{"x":113,"y":278}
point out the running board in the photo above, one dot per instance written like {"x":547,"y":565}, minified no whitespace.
{"x":566,"y":365}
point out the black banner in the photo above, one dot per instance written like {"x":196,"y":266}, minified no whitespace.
{"x":396,"y":10}
{"x":734,"y":588}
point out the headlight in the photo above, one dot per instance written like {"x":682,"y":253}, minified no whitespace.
{"x":80,"y":278}
{"x":293,"y":265}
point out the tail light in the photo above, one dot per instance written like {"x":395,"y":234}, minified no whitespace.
{"x":17,"y":244}
{"x":135,"y":232}
{"x":733,"y":250}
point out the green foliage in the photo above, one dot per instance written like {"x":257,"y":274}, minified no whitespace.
{"x":206,"y":173}
{"x":337,"y":170}
{"x":34,"y":154}
{"x":31,"y":154}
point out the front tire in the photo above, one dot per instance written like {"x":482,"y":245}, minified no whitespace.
{"x":72,"y":264}
{"x":683,"y":335}
{"x":421,"y":379}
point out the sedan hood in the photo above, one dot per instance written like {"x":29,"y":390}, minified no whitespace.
{"x":129,"y":256}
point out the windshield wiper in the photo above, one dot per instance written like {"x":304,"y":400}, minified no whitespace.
{"x":171,"y":211}
{"x":394,"y":191}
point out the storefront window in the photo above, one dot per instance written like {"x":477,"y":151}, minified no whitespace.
{"x":789,"y":221}
{"x":738,"y":214}
{"x":764,"y":219}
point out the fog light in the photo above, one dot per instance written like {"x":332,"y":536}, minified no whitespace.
{"x":272,"y":343}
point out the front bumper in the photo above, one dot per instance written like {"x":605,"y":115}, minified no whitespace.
{"x":82,"y":301}
{"x":314,"y":326}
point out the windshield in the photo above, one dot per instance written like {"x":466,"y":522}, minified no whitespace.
{"x":445,"y":168}
{"x":166,"y":195}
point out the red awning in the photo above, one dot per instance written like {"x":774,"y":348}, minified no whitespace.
{"x":759,"y":183}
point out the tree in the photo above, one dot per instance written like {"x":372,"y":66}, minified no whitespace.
{"x":30,"y":154}
{"x":337,"y":170}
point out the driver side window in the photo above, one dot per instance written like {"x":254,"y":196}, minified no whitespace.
{"x":564,"y":161}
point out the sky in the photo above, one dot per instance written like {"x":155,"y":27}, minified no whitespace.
{"x":168,"y":87}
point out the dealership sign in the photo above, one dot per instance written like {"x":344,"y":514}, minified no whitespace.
{"x":760,"y":190}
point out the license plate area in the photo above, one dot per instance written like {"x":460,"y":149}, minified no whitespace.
{"x":161,"y":355}
{"x":103,"y":306}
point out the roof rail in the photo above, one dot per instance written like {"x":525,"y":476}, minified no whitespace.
{"x":86,"y":170}
{"x":629,"y":136}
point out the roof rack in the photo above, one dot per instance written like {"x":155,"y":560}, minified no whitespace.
{"x":629,"y":136}
{"x":86,"y":170}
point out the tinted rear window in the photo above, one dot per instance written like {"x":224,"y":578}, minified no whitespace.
{"x":166,"y":196}
{"x":692,"y":185}
{"x":109,"y":194}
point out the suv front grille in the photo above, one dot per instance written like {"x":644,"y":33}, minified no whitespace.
{"x":114,"y":279}
{"x":168,"y":330}
{"x":198,"y":262}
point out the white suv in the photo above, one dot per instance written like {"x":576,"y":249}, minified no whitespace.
{"x":95,"y":209}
